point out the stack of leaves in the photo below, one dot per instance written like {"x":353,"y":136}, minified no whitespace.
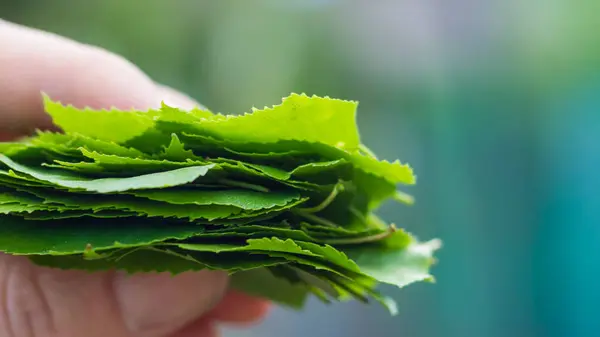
{"x":282,"y":198}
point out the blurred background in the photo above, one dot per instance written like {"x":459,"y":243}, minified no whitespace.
{"x":496,"y":105}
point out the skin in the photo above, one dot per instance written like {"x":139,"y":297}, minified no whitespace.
{"x":36,"y":301}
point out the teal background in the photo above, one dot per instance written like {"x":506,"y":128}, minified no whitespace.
{"x":496,"y":104}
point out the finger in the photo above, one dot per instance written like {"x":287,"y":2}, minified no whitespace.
{"x":239,"y":308}
{"x":201,"y":328}
{"x":44,"y":302}
{"x":159,"y":304}
{"x":37,"y":301}
{"x":4,"y":137}
{"x":32,"y":61}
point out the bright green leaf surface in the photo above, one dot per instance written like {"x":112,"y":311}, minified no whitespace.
{"x":108,"y":125}
{"x":397,"y":267}
{"x":298,"y":117}
{"x":108,"y":185}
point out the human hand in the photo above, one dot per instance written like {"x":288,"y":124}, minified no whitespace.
{"x":37,"y":301}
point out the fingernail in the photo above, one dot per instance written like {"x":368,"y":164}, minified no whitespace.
{"x":160,"y":304}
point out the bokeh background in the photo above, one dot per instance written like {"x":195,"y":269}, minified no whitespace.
{"x":496,"y":104}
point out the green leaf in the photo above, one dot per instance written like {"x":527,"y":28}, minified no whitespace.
{"x":279,"y":290}
{"x":298,"y":117}
{"x":335,"y":237}
{"x":72,"y":236}
{"x":399,"y":267}
{"x":393,"y":173}
{"x":176,"y":151}
{"x":108,"y":125}
{"x":225,"y":171}
{"x":113,"y":165}
{"x":201,"y":113}
{"x":330,"y":254}
{"x":89,"y":202}
{"x":175,"y":115}
{"x":15,"y":208}
{"x":290,"y":250}
{"x":10,"y":197}
{"x":61,"y":213}
{"x":130,"y":260}
{"x":245,"y":199}
{"x":263,"y":244}
{"x":74,"y":141}
{"x":12,"y":147}
{"x":327,"y":172}
{"x":108,"y":185}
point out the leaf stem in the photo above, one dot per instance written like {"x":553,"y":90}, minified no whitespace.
{"x":359,"y":215}
{"x":316,"y":219}
{"x":136,"y":249}
{"x":357,"y":295}
{"x":246,"y":185}
{"x":330,"y":198}
{"x":366,"y":239}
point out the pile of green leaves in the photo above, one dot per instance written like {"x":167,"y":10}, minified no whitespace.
{"x":282,"y":198}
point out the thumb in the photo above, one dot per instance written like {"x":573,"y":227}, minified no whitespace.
{"x":37,"y":301}
{"x":160,"y":304}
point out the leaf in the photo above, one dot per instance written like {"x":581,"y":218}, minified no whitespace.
{"x":107,"y":185}
{"x":327,"y":172}
{"x":269,"y":230}
{"x":11,"y":147}
{"x":223,"y":168}
{"x":108,"y":125}
{"x":172,"y":114}
{"x":15,"y":208}
{"x":154,"y":259}
{"x":279,"y":290}
{"x":60,"y":213}
{"x":90,"y":202}
{"x":11,"y":178}
{"x":298,"y":117}
{"x":263,"y":244}
{"x":349,"y":290}
{"x":75,"y":141}
{"x":399,"y":267}
{"x":176,"y":151}
{"x":10,"y":197}
{"x":112,"y":165}
{"x":290,"y":250}
{"x":130,"y":260}
{"x":71,"y":236}
{"x":245,"y":199}
{"x":201,"y":113}
{"x":330,"y":254}
{"x":393,"y":173}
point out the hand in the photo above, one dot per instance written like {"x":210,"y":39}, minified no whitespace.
{"x":36,"y":301}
